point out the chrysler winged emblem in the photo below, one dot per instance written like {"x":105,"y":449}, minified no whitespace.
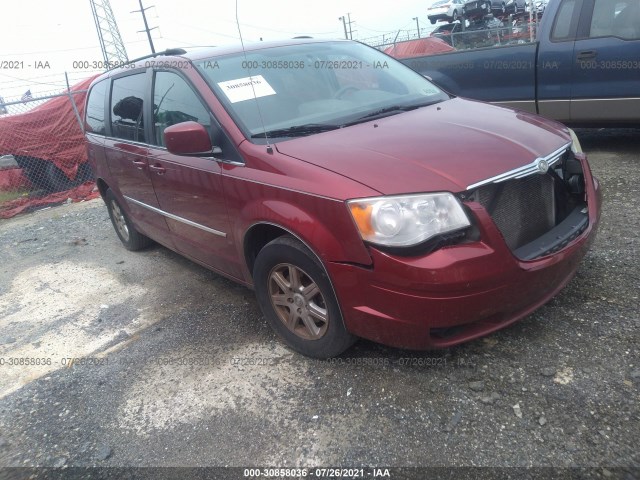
{"x":543,"y":166}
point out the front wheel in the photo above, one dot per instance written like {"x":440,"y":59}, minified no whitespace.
{"x":129,"y":236}
{"x":297,"y":299}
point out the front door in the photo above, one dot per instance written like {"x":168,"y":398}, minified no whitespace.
{"x":189,"y":188}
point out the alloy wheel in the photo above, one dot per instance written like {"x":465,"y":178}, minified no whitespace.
{"x":298,"y":301}
{"x":119,"y":220}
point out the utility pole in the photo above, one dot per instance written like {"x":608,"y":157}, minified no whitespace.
{"x":344,"y":24}
{"x":417,"y":25}
{"x":348,"y":35}
{"x":146,"y":25}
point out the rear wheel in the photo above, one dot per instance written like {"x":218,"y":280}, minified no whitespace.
{"x":129,"y":236}
{"x":297,"y":299}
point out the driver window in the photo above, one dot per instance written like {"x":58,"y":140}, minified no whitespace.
{"x":616,"y":18}
{"x":175,"y":102}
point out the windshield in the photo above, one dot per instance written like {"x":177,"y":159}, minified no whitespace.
{"x":313,"y":87}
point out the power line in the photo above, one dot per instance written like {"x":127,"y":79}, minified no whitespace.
{"x":30,"y":81}
{"x":50,"y":51}
{"x":63,"y":50}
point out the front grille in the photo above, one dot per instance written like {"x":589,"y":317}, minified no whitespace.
{"x":523,"y":209}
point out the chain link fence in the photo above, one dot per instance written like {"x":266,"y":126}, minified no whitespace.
{"x":42,"y":153}
{"x":475,"y":36}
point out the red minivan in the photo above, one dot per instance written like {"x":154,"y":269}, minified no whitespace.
{"x":356,"y":197}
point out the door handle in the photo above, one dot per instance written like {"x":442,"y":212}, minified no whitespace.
{"x":587,"y":55}
{"x":140,"y":164}
{"x":159,"y":169}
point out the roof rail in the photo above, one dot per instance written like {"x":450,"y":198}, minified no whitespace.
{"x":168,"y":51}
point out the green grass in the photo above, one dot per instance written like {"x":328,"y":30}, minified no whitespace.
{"x":12,"y":195}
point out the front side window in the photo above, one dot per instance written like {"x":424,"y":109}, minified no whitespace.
{"x":175,"y":102}
{"x":94,"y":117}
{"x":127,"y":96}
{"x":616,"y":18}
{"x":313,"y":86}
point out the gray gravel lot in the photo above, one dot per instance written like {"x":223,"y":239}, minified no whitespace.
{"x":177,"y":367}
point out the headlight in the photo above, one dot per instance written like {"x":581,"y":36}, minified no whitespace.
{"x":575,"y":143}
{"x":403,"y":221}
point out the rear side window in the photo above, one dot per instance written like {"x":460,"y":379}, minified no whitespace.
{"x":564,"y":21}
{"x":127,"y":107}
{"x":175,"y":102}
{"x":94,"y":117}
{"x":616,"y":18}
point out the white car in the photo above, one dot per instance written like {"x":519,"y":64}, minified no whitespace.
{"x":449,"y":10}
{"x":538,"y":5}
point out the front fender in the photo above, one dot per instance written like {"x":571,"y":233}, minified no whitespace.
{"x":324,"y":225}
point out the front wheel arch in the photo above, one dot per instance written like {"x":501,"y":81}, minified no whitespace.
{"x":288,"y":254}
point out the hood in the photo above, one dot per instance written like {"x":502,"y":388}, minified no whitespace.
{"x":442,"y":147}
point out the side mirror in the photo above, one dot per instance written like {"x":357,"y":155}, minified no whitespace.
{"x":189,"y":138}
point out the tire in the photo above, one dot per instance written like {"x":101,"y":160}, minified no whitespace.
{"x":433,"y":22}
{"x":297,"y":299}
{"x":127,"y":233}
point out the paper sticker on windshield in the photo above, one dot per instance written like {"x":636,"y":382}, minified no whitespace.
{"x":430,"y":90}
{"x":246,"y":88}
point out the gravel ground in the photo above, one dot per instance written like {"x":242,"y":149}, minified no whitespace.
{"x":178,"y":368}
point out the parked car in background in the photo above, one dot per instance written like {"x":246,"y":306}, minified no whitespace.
{"x":516,"y":6}
{"x":445,"y":31}
{"x":506,"y":7}
{"x":473,"y":9}
{"x":449,"y":10}
{"x":537,"y":5}
{"x":343,"y":196}
{"x":520,"y":32}
{"x":479,"y":33}
{"x":582,"y":67}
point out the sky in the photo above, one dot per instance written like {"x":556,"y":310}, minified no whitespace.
{"x":40,"y":40}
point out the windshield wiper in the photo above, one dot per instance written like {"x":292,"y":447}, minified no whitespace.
{"x":393,"y":109}
{"x":297,"y":130}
